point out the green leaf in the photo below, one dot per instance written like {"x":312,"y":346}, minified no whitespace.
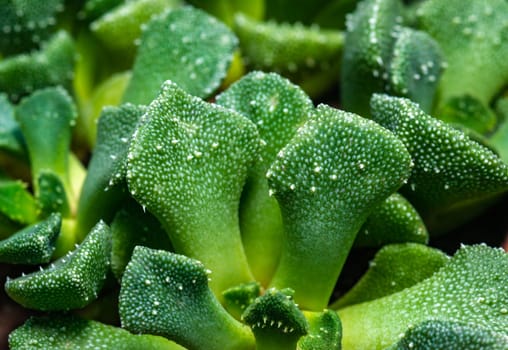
{"x":41,"y":117}
{"x":238,"y":298}
{"x":16,"y":203}
{"x":119,"y":28}
{"x":187,"y":164}
{"x":473,"y":37}
{"x":26,"y":23}
{"x":130,"y":227}
{"x":380,"y":55}
{"x":415,"y":67}
{"x":308,"y":56}
{"x":450,"y":335}
{"x":52,"y":194}
{"x":60,"y":332}
{"x":72,"y":281}
{"x":108,"y":93}
{"x":11,"y":139}
{"x":471,"y":288}
{"x":393,"y":221}
{"x":104,"y":188}
{"x":452,"y":174}
{"x":52,"y":65}
{"x":368,"y":49}
{"x":468,"y":111}
{"x":277,"y":108}
{"x":276,"y":321}
{"x":93,"y":9}
{"x":33,"y":244}
{"x":325,"y":331}
{"x":225,"y":10}
{"x":167,"y":294}
{"x":185,"y":45}
{"x":327,"y":181}
{"x":394,"y":268}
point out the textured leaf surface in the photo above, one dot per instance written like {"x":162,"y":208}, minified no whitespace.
{"x":471,"y":288}
{"x":25,"y":23}
{"x":393,"y":221}
{"x":186,"y":46}
{"x":51,"y":195}
{"x":473,"y":36}
{"x":167,"y":294}
{"x":41,"y":116}
{"x":52,"y":65}
{"x":187,"y":164}
{"x":276,"y":321}
{"x":130,"y":227}
{"x":104,"y":187}
{"x":32,"y":245}
{"x":368,"y":48}
{"x":415,"y":67}
{"x":468,"y":111}
{"x":308,"y":56}
{"x":394,"y":268}
{"x":238,"y":298}
{"x":325,"y":331}
{"x":72,"y":281}
{"x":448,"y":335}
{"x":451,"y":172}
{"x":119,"y":28}
{"x":327,"y":180}
{"x":277,"y":108}
{"x":381,"y":55}
{"x":16,"y":203}
{"x":61,"y":332}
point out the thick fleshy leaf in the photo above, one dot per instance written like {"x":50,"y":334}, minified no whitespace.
{"x":453,"y":176}
{"x":16,"y":203}
{"x":131,"y":227}
{"x":473,"y":36}
{"x":309,"y":56}
{"x":11,"y":139}
{"x":104,"y":188}
{"x":325,"y":331}
{"x":225,"y":10}
{"x":394,"y":268}
{"x":277,"y":108}
{"x":393,"y":221}
{"x":471,"y":288}
{"x":450,"y":335}
{"x":415,"y":67}
{"x":72,"y":281}
{"x":167,"y":294}
{"x":380,"y":55}
{"x":26,"y":23}
{"x":185,"y":45}
{"x":41,"y":116}
{"x":51,"y":195}
{"x":468,"y":112}
{"x":327,"y":180}
{"x":238,"y":298}
{"x":71,"y":332}
{"x":276,"y":321}
{"x":93,"y":9}
{"x":119,"y":28}
{"x":52,"y":65}
{"x":32,"y":245}
{"x":368,"y":48}
{"x":187,"y":164}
